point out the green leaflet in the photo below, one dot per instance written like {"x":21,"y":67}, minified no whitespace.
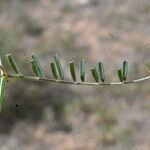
{"x":36,"y":66}
{"x":72,"y":70}
{"x":59,"y":67}
{"x":101,"y":71}
{"x":125,"y":70}
{"x":95,"y":74}
{"x":120,"y":75}
{"x":2,"y":86}
{"x":12,"y":63}
{"x":35,"y":69}
{"x":82,"y":70}
{"x":53,"y":69}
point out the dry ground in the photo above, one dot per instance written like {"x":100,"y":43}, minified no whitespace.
{"x":111,"y":118}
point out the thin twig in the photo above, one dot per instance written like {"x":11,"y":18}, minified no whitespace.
{"x":1,"y":68}
{"x":76,"y":83}
{"x":2,"y":84}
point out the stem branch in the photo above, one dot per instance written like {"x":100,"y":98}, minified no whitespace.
{"x":76,"y":83}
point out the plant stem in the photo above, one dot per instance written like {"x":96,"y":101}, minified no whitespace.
{"x":76,"y":83}
{"x":2,"y":87}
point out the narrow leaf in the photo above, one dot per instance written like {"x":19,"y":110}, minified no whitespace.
{"x":125,"y":70}
{"x":36,"y":66}
{"x":120,"y":75}
{"x":53,"y":69}
{"x":82,"y":70}
{"x":59,"y":67}
{"x":35,"y":69}
{"x":2,"y":86}
{"x":12,"y":63}
{"x":101,"y":71}
{"x":72,"y":70}
{"x":95,"y":74}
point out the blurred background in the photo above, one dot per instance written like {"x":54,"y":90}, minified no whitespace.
{"x":43,"y":116}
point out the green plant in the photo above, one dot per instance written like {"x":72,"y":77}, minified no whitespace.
{"x":58,"y":73}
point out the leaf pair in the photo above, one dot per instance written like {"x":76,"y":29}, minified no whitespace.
{"x":122,"y":73}
{"x":36,"y":67}
{"x":98,"y":74}
{"x":82,"y":70}
{"x":12,"y":63}
{"x":56,"y":68}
